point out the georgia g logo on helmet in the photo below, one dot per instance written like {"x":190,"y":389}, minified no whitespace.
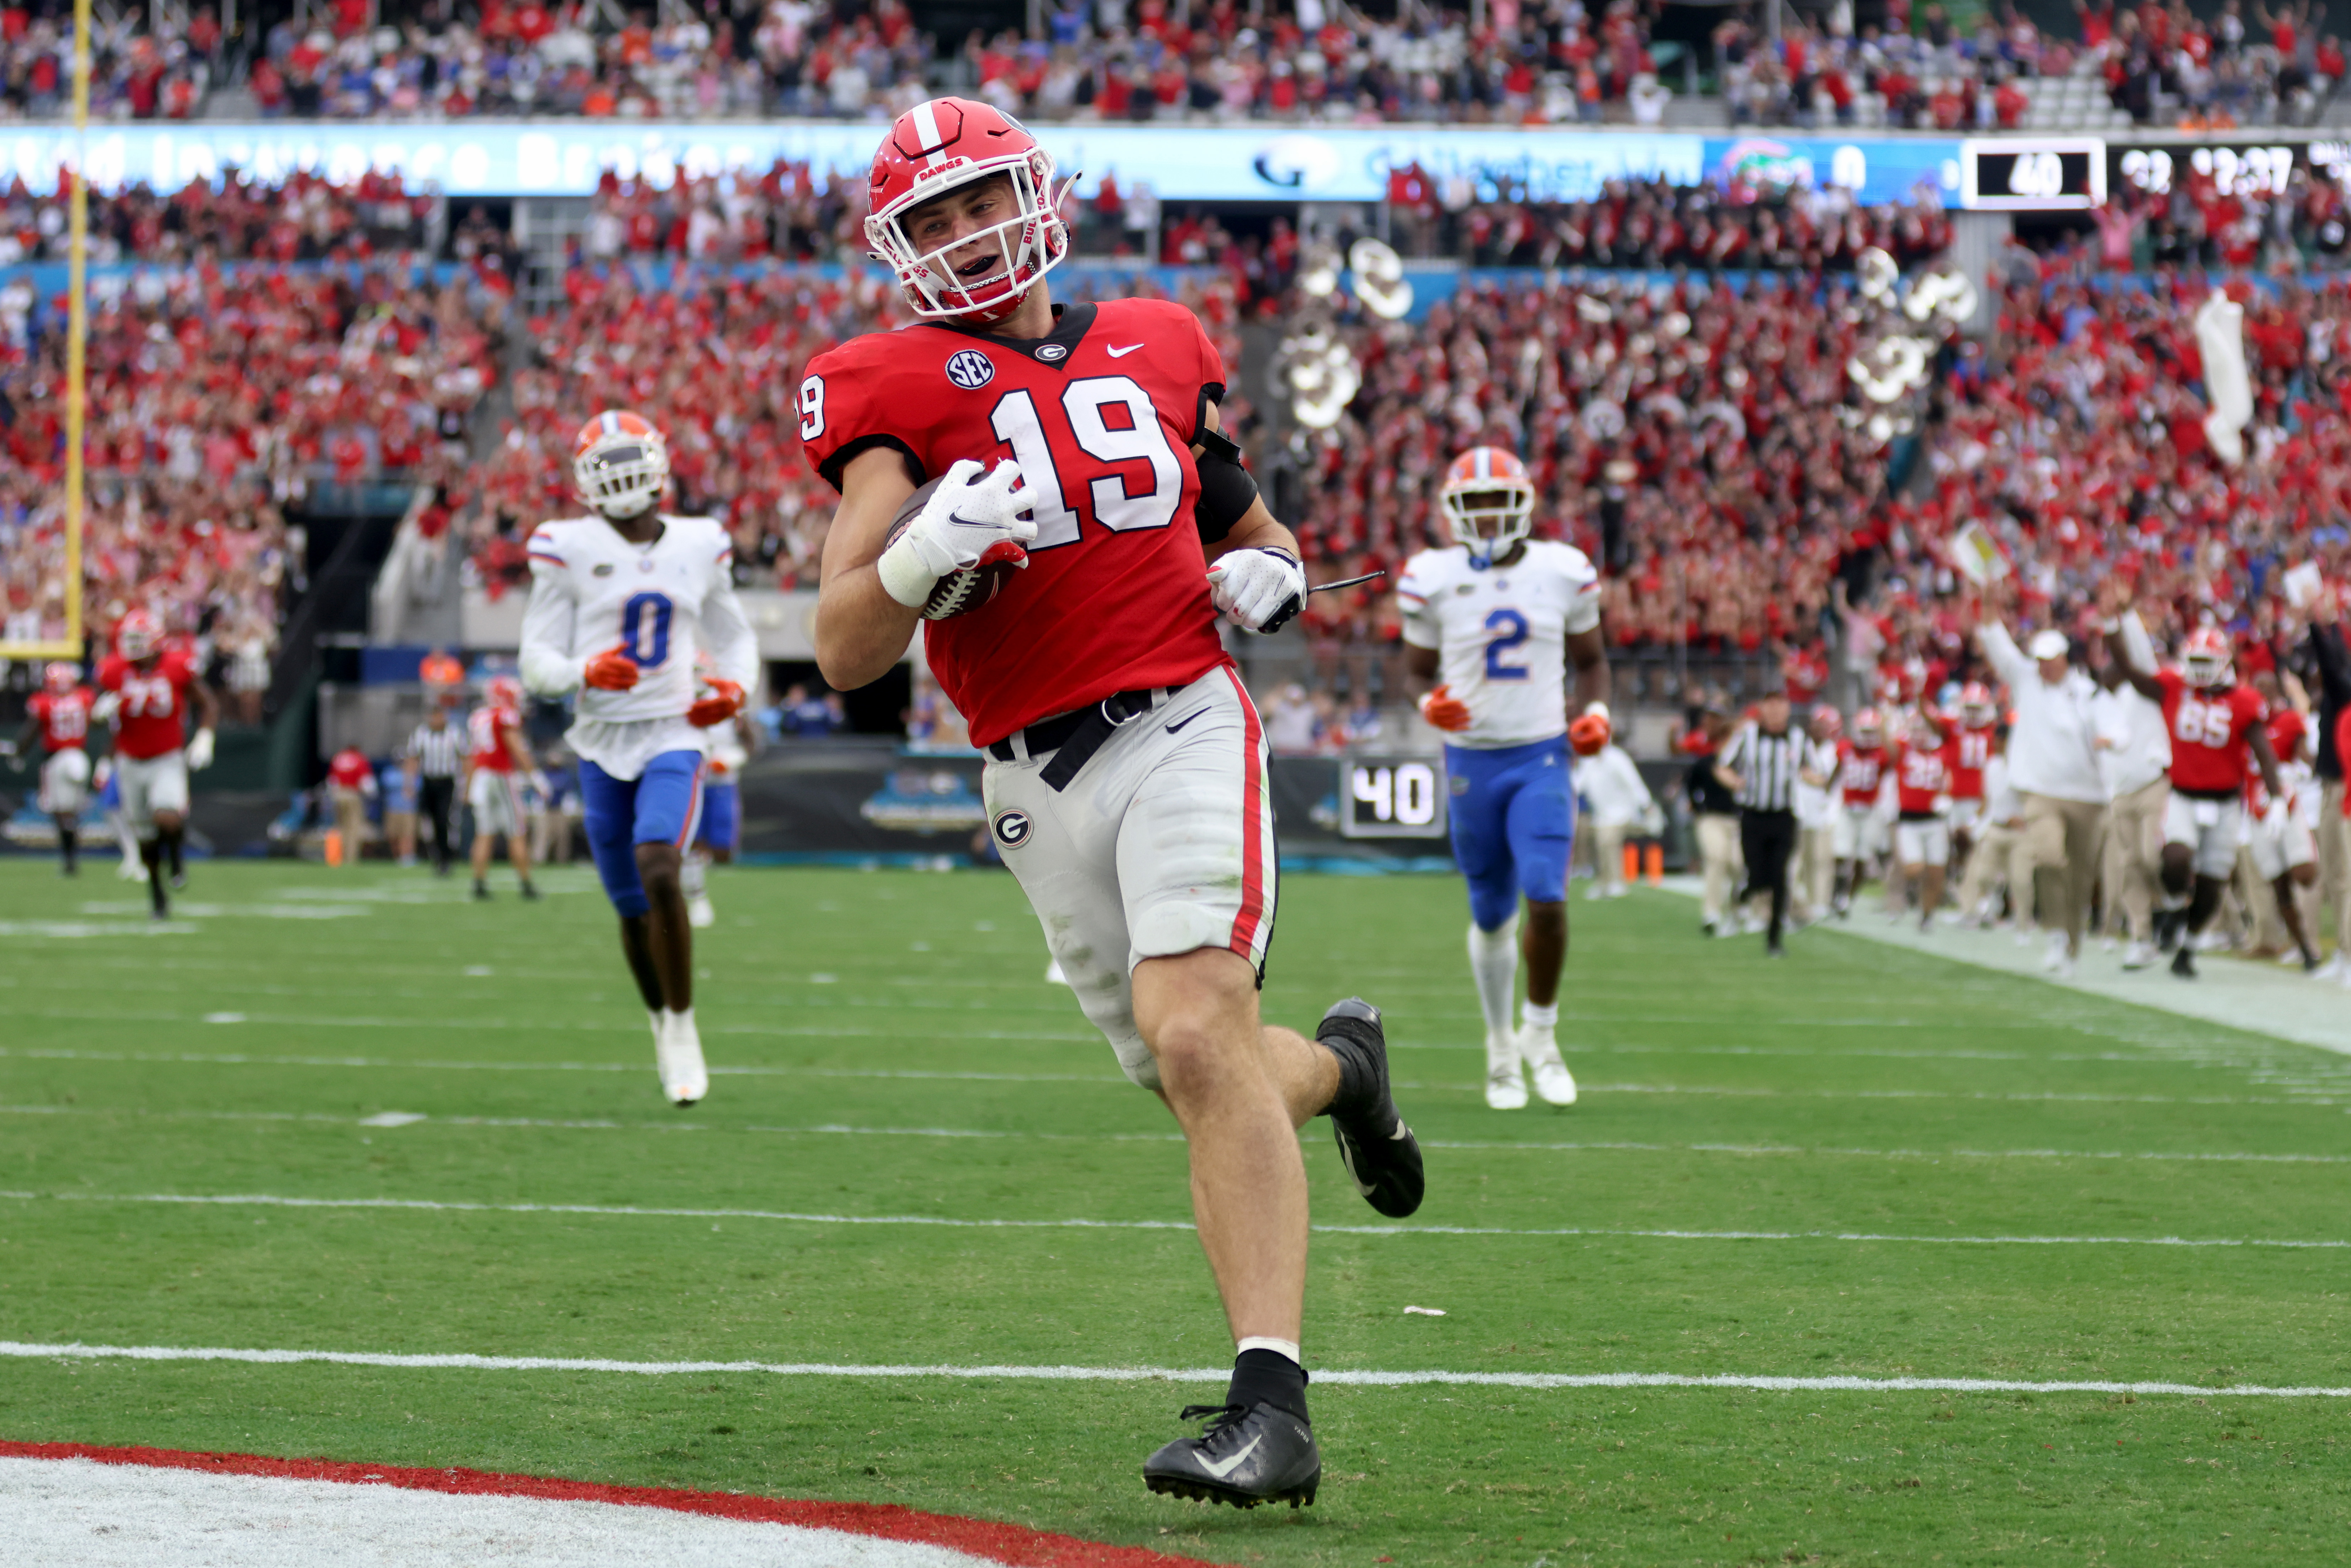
{"x":943,"y":146}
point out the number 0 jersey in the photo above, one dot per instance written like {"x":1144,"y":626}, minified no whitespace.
{"x":1100,"y":415}
{"x":591,"y":590}
{"x":1500,"y":634}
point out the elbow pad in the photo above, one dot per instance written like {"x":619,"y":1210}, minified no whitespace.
{"x":1227,"y":491}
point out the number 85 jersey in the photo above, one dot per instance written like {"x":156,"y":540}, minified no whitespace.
{"x":1500,"y":634}
{"x":591,"y":590}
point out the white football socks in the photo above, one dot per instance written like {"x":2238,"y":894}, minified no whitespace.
{"x":1494,"y":966}
{"x":1534,"y":1016}
{"x":1287,"y":1347}
{"x":691,"y":876}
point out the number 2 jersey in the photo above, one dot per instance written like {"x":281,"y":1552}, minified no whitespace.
{"x":1100,"y":415}
{"x":592,"y":590}
{"x":1501,"y":634}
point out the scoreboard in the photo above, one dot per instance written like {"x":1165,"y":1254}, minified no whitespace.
{"x":2074,"y":173}
{"x":2034,"y":174}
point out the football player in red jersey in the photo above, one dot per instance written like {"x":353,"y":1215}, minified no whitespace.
{"x":2215,"y":724}
{"x":496,"y":762}
{"x":1919,"y":761}
{"x":149,"y":691}
{"x":60,"y":714}
{"x":1857,"y":832}
{"x":1974,"y":740}
{"x":1126,"y":776}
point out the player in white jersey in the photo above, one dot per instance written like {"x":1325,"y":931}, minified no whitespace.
{"x":619,"y":604}
{"x":1495,"y":620}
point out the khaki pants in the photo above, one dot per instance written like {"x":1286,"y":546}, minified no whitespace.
{"x":1993,"y":862}
{"x":1608,"y":854}
{"x":2134,"y":857}
{"x":1813,"y":883}
{"x":350,"y":820}
{"x":1718,"y":848}
{"x":2061,"y":859}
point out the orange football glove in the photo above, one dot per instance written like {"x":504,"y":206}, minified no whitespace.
{"x":611,"y":670}
{"x":1446,"y":711}
{"x":722,"y":702}
{"x":1590,"y":734}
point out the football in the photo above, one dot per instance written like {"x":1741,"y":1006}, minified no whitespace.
{"x":962,"y":591}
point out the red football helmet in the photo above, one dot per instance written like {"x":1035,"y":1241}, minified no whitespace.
{"x":941,"y":146}
{"x":1976,"y":707}
{"x":136,"y":636}
{"x":1489,"y":500}
{"x":1868,"y":728}
{"x":2207,"y":659}
{"x":621,"y":463}
{"x":503,"y":691}
{"x":61,"y":677}
{"x":1827,"y":723}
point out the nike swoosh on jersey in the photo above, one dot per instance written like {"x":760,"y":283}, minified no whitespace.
{"x":1223,"y":1468}
{"x":1185,"y":720}
{"x":1120,"y":353}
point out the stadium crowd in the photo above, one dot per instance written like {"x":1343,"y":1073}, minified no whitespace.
{"x":216,"y":400}
{"x":304,"y":217}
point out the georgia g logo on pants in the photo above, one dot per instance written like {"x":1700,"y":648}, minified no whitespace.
{"x":1012,"y":829}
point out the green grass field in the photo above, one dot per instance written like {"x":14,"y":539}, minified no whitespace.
{"x":1863,"y":1107}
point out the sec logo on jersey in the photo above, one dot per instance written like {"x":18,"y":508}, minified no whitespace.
{"x":1012,"y":829}
{"x":970,"y":370}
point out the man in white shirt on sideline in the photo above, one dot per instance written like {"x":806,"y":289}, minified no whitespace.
{"x":1611,"y":785}
{"x":2053,"y":764}
{"x":1812,"y":882}
{"x":2135,"y":756}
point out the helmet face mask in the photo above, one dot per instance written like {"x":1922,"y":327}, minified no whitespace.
{"x":2205,"y":659}
{"x":951,"y":160}
{"x":61,"y":677}
{"x":1868,"y":729}
{"x":1976,"y":707}
{"x":1489,"y":503}
{"x":620,"y":465}
{"x":136,"y":636}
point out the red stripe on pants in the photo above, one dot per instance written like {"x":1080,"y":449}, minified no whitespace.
{"x":1251,"y":919}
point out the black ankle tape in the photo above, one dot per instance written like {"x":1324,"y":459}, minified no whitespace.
{"x":1268,"y":1377}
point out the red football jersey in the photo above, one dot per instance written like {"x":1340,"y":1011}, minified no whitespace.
{"x":1969,"y":753}
{"x":152,"y":717}
{"x":65,"y":719}
{"x":486,"y":730}
{"x":2209,"y":755}
{"x":1920,"y":773}
{"x":1101,"y":416}
{"x":1858,"y":772}
{"x":350,"y":768}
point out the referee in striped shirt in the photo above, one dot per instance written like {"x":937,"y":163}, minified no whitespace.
{"x":434,"y":757}
{"x":1760,"y":764}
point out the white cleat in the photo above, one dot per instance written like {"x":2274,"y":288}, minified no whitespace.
{"x":130,"y":870}
{"x":2332,"y":969}
{"x":677,"y":1057}
{"x":1506,"y":1084}
{"x":698,"y":912}
{"x":1053,"y":976}
{"x":2058,"y":955}
{"x":1539,"y":1050}
{"x":2139,"y":955}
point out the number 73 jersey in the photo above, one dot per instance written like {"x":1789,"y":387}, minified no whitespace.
{"x":1501,"y":634}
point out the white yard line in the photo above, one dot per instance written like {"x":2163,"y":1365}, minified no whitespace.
{"x":1353,"y":1377}
{"x":411,"y":1118}
{"x":646,"y":1211}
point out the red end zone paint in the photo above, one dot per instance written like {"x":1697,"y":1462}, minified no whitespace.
{"x":1006,"y":1543}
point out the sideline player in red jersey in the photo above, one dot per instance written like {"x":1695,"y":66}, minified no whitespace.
{"x":2214,"y":723}
{"x":1920,"y":761}
{"x":60,"y":714}
{"x":1974,"y":740}
{"x":1858,"y":832}
{"x":150,"y":690}
{"x":496,"y":762}
{"x":1126,"y":776}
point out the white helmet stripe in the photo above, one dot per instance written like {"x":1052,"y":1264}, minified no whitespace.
{"x":926,"y":126}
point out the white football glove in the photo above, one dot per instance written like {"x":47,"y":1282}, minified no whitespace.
{"x":103,"y":710}
{"x":200,"y":751}
{"x":965,"y":518}
{"x":1258,"y":590}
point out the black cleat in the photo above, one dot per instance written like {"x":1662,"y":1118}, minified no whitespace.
{"x":1382,"y":1156}
{"x":529,"y":894}
{"x":1246,"y":1457}
{"x":2183,"y":962}
{"x":481,"y":894}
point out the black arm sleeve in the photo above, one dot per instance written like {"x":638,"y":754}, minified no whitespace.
{"x":1227,"y":491}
